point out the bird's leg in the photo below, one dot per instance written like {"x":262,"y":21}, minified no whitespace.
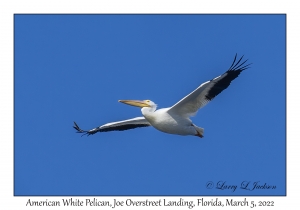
{"x":199,"y":134}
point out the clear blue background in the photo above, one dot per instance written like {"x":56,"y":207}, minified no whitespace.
{"x":76,"y":68}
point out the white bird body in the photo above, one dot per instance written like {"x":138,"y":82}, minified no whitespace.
{"x":175,"y":119}
{"x":169,"y":123}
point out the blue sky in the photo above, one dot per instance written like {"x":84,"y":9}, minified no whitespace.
{"x":76,"y":67}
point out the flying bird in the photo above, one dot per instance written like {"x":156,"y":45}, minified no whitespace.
{"x":175,"y":119}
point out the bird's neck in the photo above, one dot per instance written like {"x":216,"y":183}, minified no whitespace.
{"x":148,"y":110}
{"x":148,"y":113}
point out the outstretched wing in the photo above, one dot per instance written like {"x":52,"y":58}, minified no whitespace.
{"x":116,"y":126}
{"x":189,"y":105}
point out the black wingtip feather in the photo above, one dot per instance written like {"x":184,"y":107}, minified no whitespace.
{"x":237,"y":66}
{"x":237,"y":63}
{"x":79,"y":130}
{"x":233,"y":72}
{"x":77,"y":127}
{"x":233,"y":61}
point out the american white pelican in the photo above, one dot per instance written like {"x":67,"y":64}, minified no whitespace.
{"x":175,"y":119}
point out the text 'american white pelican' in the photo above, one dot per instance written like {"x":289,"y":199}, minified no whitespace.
{"x":175,"y":119}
